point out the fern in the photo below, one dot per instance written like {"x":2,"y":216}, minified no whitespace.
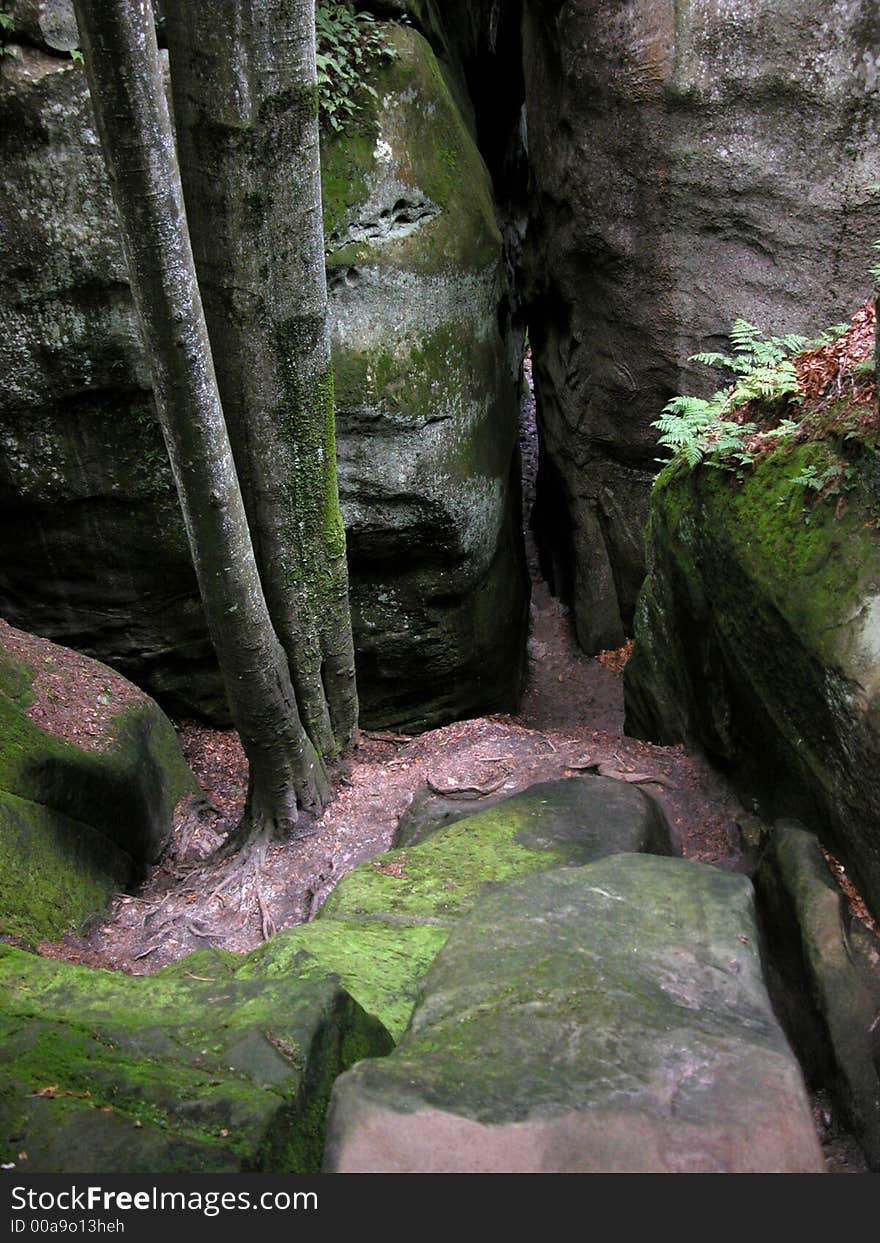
{"x":696,"y":430}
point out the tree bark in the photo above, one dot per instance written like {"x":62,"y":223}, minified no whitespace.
{"x":122,"y":62}
{"x":246,"y":111}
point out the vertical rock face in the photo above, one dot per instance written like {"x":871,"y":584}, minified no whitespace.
{"x":690,"y":163}
{"x":92,"y":548}
{"x":426,"y":411}
{"x":757,"y":638}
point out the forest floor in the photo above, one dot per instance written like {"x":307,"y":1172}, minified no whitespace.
{"x":570,"y":719}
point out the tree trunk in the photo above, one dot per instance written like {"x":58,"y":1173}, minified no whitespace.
{"x":122,"y":62}
{"x":245,"y":100}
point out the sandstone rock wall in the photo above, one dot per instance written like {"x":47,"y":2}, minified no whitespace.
{"x":757,"y":638}
{"x":690,"y":163}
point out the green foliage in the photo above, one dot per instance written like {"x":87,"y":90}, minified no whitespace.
{"x":6,"y":26}
{"x":836,"y":478}
{"x":696,"y":430}
{"x":346,"y":44}
{"x":691,"y":428}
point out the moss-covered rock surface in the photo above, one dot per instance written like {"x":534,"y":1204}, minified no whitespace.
{"x":78,"y":824}
{"x":758,"y":636}
{"x":396,"y":910}
{"x":606,"y":1018}
{"x":206,"y":1066}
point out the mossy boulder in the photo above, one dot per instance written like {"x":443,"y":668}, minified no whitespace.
{"x":77,"y":824}
{"x":426,"y":411}
{"x":385,"y":921}
{"x":204,"y":1067}
{"x":757,"y":636}
{"x":225,"y":1063}
{"x":606,"y":1018}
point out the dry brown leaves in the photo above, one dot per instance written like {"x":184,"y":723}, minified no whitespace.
{"x":827,"y":371}
{"x":75,"y":698}
{"x":615,"y":658}
{"x":853,"y":897}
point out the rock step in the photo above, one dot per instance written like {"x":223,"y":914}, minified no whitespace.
{"x":607,"y":1018}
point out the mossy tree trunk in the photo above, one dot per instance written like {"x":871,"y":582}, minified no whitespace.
{"x":122,"y":61}
{"x":246,"y":112}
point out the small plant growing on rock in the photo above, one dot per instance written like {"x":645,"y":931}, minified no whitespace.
{"x":828,"y":384}
{"x":697,"y":430}
{"x":347,"y":43}
{"x":6,"y":27}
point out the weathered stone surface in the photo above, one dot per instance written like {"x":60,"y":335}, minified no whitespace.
{"x":173,"y":1073}
{"x":608,"y":1018}
{"x":757,"y":637}
{"x":690,"y":163}
{"x":429,"y":811}
{"x":405,"y":901}
{"x":92,"y":549}
{"x":426,"y":413}
{"x":77,"y":825}
{"x":50,"y":23}
{"x":595,"y":815}
{"x":828,"y":966}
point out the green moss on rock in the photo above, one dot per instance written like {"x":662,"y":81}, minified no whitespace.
{"x":413,"y":140}
{"x":758,"y":637}
{"x":77,"y":825}
{"x":220,"y":1069}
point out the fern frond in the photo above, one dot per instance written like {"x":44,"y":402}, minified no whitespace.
{"x":713,"y":360}
{"x":745,"y":337}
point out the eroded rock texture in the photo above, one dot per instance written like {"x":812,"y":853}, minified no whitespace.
{"x":690,"y":163}
{"x":426,"y":410}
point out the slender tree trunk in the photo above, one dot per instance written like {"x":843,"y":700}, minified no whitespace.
{"x":245,"y":100}
{"x":122,"y":61}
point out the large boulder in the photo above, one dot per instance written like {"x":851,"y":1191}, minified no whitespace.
{"x":607,"y":1018}
{"x":757,"y":638}
{"x":385,"y":921}
{"x":690,"y":163}
{"x":90,"y":772}
{"x":199,"y":1068}
{"x":92,"y":547}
